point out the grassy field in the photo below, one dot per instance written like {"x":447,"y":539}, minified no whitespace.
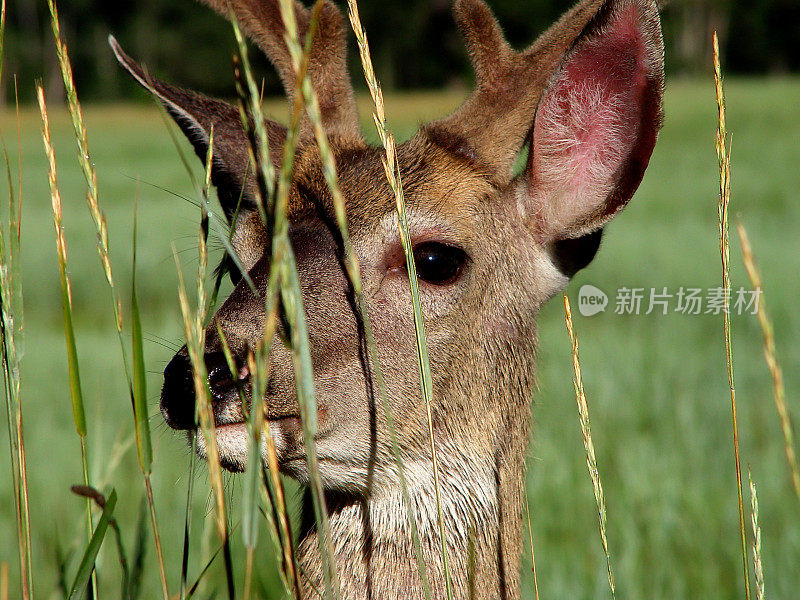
{"x":656,"y":384}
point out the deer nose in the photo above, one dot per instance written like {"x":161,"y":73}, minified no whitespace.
{"x":220,"y":379}
{"x":177,"y":395}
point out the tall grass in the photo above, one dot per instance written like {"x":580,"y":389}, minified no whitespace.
{"x":11,"y":324}
{"x":194,"y":329}
{"x":588,"y":443}
{"x":11,"y":328}
{"x":723,"y":156}
{"x":283,"y":270}
{"x":770,"y":355}
{"x":76,"y":392}
{"x":392,"y":170}
{"x":136,"y":383}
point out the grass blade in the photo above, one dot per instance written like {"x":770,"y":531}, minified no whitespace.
{"x":284,"y":267}
{"x":530,"y":539}
{"x":76,"y":393}
{"x":143,"y":443}
{"x":723,"y":156}
{"x":92,"y":495}
{"x":11,"y":327}
{"x":79,"y":584}
{"x":187,"y":521}
{"x":101,"y":229}
{"x":392,"y":170}
{"x":195,"y":343}
{"x":588,"y":444}
{"x":770,"y":354}
{"x":89,"y":173}
{"x":139,"y":401}
{"x":757,"y":564}
{"x":134,"y":586}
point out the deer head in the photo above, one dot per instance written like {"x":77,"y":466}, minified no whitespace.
{"x":491,"y":247}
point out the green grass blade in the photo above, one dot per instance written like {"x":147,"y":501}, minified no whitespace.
{"x":76,"y":393}
{"x":79,"y":584}
{"x":11,"y":328}
{"x":195,"y":341}
{"x":352,"y":270}
{"x":137,"y":572}
{"x":392,"y":170}
{"x":724,"y":159}
{"x":285,"y":268}
{"x":92,"y":495}
{"x":143,"y":443}
{"x":78,"y":410}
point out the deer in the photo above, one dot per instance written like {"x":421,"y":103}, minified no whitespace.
{"x":492,"y":243}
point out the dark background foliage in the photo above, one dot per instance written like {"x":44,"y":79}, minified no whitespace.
{"x":415,"y":43}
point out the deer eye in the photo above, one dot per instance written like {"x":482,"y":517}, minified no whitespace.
{"x":438,"y":263}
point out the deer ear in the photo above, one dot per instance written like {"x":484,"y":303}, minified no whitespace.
{"x":197,"y":115}
{"x":597,"y":122}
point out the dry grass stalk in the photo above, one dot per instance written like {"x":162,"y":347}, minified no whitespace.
{"x":290,"y":565}
{"x":259,"y":365}
{"x":306,"y":94}
{"x":11,"y":327}
{"x":588,"y":444}
{"x":101,"y":229}
{"x":392,"y":171}
{"x":757,"y":564}
{"x":4,"y":565}
{"x":724,"y":159}
{"x":530,"y":539}
{"x":284,"y":268}
{"x":195,"y":343}
{"x":76,"y":393}
{"x":89,"y":173}
{"x":770,"y":354}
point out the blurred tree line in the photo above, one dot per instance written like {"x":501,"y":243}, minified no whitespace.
{"x":414,"y":42}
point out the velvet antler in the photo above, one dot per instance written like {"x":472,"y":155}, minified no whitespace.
{"x":261,"y":20}
{"x":496,"y":119}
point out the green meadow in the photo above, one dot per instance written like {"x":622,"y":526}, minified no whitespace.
{"x":656,"y":384}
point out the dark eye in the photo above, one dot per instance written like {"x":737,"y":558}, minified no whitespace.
{"x":439,"y":263}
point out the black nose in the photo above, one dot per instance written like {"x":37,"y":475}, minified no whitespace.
{"x":177,"y":395}
{"x":220,"y":379}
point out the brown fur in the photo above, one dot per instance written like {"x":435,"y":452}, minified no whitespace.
{"x":480,"y":327}
{"x":327,"y":68}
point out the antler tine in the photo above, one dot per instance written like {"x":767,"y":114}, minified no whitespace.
{"x":507,"y":82}
{"x":488,"y":49}
{"x":327,"y":69}
{"x":502,"y":78}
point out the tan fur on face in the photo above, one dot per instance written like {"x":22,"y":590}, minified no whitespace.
{"x":586,"y":99}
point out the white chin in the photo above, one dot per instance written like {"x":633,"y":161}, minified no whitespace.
{"x":232,"y":442}
{"x":231,"y":445}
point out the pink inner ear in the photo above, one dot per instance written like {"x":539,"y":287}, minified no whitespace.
{"x":587,"y":125}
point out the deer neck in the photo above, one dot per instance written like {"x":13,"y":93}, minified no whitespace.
{"x":481,"y":503}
